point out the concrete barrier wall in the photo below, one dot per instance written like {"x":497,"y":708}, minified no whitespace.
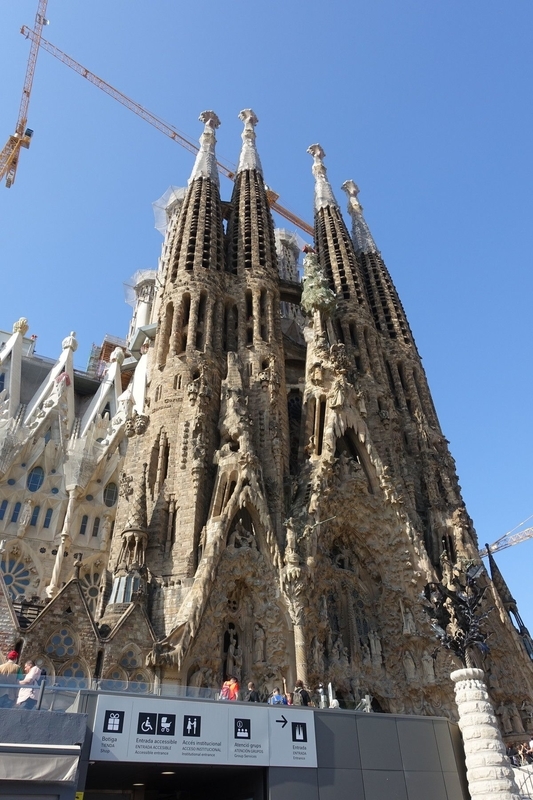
{"x":377,"y":757}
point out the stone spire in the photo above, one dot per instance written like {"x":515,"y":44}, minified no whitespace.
{"x":323,"y":192}
{"x":249,"y":158}
{"x":250,"y":236}
{"x":333,"y":244}
{"x":205,"y":165}
{"x":363,"y":240}
{"x":385,"y":304}
{"x":198,"y":237}
{"x":499,"y":583}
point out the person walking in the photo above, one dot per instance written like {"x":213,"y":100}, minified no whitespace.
{"x":27,"y":697}
{"x":9,"y":673}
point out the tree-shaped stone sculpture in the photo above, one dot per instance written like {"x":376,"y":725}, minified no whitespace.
{"x":456,"y":615}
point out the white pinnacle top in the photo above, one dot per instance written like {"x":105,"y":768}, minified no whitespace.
{"x":323,"y":192}
{"x":249,"y":158}
{"x":205,"y":165}
{"x":363,"y":240}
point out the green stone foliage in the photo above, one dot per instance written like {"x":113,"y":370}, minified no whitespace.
{"x":316,"y":295}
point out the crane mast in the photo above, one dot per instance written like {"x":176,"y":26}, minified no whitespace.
{"x":9,"y":156}
{"x":225,"y":167}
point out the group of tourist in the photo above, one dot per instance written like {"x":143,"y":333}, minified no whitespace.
{"x":299,"y":697}
{"x":13,"y":676}
{"x":520,"y":755}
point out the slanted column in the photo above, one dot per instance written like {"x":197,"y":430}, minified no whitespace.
{"x":54,"y":585}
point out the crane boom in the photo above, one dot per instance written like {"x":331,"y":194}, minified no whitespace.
{"x":225,"y":167}
{"x":508,"y":541}
{"x":9,"y":155}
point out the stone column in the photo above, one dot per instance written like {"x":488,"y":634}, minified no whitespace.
{"x":489,"y":773}
{"x":300,"y":647}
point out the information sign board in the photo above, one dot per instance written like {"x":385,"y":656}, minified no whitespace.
{"x":194,"y":732}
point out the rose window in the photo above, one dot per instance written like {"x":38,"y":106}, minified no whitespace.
{"x":16,"y":575}
{"x":90,"y":583}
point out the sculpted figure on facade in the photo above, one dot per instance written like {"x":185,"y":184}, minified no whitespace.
{"x":504,"y":715}
{"x":409,"y":667}
{"x":409,"y":627}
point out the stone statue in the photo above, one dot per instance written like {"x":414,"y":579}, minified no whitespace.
{"x":409,"y":666}
{"x":428,"y":668}
{"x":527,"y":711}
{"x":25,"y":518}
{"x":375,"y":648}
{"x":336,"y":651}
{"x":230,"y":657}
{"x":259,"y":644}
{"x":240,"y":537}
{"x":237,"y":663}
{"x":337,"y":396}
{"x":291,"y":535}
{"x":447,"y":570}
{"x":515,"y":718}
{"x":409,"y":628}
{"x":505,"y":718}
{"x":318,"y":656}
{"x":197,"y":678}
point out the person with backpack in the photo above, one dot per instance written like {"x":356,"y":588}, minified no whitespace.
{"x":276,"y":698}
{"x":300,"y":696}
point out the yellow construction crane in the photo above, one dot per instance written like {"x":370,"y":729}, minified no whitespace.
{"x":225,"y":167}
{"x":9,"y":157}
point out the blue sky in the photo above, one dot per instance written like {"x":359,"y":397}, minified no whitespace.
{"x":427,"y":106}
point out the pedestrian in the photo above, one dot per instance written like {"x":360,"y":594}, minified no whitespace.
{"x":276,"y":698}
{"x":300,"y":696}
{"x":252,"y":695}
{"x":9,"y":674}
{"x":230,"y":689}
{"x":27,"y":697}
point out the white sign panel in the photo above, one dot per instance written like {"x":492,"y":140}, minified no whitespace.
{"x":248,"y":735}
{"x":292,"y":736}
{"x":193,"y":732}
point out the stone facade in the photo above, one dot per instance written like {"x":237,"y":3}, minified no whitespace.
{"x":286,"y":493}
